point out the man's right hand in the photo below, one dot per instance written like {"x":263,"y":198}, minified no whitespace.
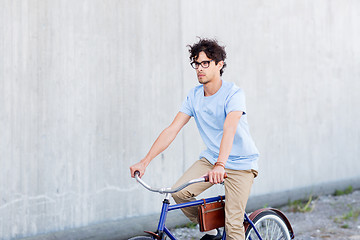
{"x":140,"y":166}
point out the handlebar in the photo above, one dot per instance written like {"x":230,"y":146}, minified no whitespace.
{"x":170,"y":190}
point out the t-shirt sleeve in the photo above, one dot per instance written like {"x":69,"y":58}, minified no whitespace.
{"x":236,"y":102}
{"x":186,"y":107}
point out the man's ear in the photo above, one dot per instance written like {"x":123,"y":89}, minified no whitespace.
{"x":220,"y":65}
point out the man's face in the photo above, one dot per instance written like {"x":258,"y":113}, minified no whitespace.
{"x":206,"y":75}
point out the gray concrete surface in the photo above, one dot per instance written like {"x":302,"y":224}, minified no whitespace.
{"x":114,"y":230}
{"x":135,"y":226}
{"x":86,"y":87}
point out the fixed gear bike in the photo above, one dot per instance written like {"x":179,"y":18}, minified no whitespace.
{"x":262,"y":224}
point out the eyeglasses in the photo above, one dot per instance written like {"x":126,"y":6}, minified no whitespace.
{"x":204,"y":64}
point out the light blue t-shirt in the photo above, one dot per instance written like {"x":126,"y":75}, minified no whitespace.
{"x":210,"y":113}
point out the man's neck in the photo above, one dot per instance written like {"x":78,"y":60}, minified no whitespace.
{"x":212,"y":87}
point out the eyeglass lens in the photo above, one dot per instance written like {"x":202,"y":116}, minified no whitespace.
{"x":204,"y":64}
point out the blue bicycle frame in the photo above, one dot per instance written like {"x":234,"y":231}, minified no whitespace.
{"x":166,"y":207}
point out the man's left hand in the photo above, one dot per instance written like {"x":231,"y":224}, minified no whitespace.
{"x":216,"y":175}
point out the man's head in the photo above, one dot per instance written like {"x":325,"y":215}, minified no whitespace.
{"x":212,"y":50}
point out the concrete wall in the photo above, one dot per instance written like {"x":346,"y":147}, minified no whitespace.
{"x":86,"y":87}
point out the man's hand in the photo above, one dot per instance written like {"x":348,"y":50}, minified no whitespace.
{"x":216,"y":175}
{"x":140,"y":166}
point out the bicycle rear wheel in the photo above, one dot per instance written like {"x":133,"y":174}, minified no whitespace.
{"x":269,"y":225}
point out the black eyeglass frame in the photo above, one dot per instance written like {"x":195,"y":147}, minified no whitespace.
{"x":204,"y":64}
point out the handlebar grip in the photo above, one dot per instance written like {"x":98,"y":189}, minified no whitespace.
{"x":207,"y":177}
{"x":136,"y":173}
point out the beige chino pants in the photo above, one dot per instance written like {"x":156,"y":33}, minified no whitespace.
{"x":237,"y":190}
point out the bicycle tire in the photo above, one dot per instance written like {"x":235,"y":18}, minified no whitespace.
{"x":269,"y":225}
{"x":141,"y":238}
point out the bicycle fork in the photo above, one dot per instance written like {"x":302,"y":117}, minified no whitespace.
{"x":162,"y":230}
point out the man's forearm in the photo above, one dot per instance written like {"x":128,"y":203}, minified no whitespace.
{"x":226,"y":145}
{"x":229,"y":130}
{"x":161,"y":143}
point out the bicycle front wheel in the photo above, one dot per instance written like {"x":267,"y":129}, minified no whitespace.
{"x":269,"y":225}
{"x":141,"y":238}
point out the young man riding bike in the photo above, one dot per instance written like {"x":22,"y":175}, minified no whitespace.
{"x":218,"y":108}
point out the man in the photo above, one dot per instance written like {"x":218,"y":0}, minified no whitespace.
{"x":218,"y":108}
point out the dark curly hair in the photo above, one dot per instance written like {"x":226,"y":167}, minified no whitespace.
{"x":212,"y":50}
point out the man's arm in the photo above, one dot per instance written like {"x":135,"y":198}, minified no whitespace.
{"x":216,"y":175}
{"x":161,"y":143}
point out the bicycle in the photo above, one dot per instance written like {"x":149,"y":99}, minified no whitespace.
{"x":262,"y":224}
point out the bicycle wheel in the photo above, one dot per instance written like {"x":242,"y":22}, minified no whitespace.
{"x":141,"y":238}
{"x":269,"y":225}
